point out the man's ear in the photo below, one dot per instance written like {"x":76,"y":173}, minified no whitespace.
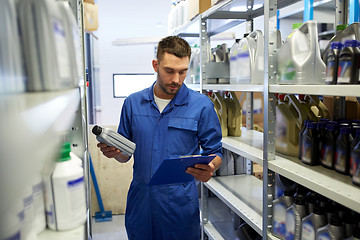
{"x":155,"y":65}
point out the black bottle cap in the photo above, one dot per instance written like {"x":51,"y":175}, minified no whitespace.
{"x":319,"y":210}
{"x":335,"y":221}
{"x":356,"y":233}
{"x":97,"y":130}
{"x":300,"y":200}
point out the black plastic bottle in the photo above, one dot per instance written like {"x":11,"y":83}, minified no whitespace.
{"x":302,"y":130}
{"x":354,"y":152}
{"x":328,"y":148}
{"x":321,"y":131}
{"x":348,"y":71}
{"x":342,"y":155}
{"x":355,"y":162}
{"x":310,"y":147}
{"x":332,"y":63}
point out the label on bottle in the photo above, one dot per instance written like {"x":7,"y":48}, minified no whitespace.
{"x":308,"y":231}
{"x":279,"y":218}
{"x":290,"y":224}
{"x":340,"y":160}
{"x":76,"y":198}
{"x":63,"y":60}
{"x":326,"y":156}
{"x":16,"y":236}
{"x":330,"y":71}
{"x":324,"y":236}
{"x":355,"y":166}
{"x":344,"y":71}
{"x":306,"y":149}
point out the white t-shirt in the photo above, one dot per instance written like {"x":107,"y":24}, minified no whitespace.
{"x":161,"y":103}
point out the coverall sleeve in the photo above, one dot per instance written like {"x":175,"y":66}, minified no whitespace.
{"x":210,"y":131}
{"x":125,"y":120}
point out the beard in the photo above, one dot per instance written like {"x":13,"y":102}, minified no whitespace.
{"x":169,"y":89}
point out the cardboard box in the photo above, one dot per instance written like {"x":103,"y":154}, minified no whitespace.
{"x":91,"y":16}
{"x":351,"y":108}
{"x":196,"y":7}
{"x":258,"y":171}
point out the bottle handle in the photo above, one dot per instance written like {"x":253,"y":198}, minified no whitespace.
{"x":301,"y":112}
{"x":324,"y":112}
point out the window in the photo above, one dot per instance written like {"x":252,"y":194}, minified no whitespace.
{"x":126,"y":84}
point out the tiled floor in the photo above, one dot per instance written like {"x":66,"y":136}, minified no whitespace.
{"x":114,"y":230}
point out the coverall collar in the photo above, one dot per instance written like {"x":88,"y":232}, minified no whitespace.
{"x":181,"y":98}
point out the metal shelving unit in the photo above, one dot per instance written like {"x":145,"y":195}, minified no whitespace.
{"x":228,"y":87}
{"x":331,"y":90}
{"x":244,"y":194}
{"x":249,"y":145}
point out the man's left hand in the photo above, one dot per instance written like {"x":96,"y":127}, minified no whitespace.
{"x":202,"y":172}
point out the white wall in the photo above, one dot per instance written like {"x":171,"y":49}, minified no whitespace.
{"x":122,"y":20}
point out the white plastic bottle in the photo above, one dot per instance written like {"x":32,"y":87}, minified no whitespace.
{"x":39,"y":205}
{"x":312,"y":222}
{"x":279,"y":214}
{"x":66,"y":202}
{"x":234,"y":70}
{"x":9,"y":226}
{"x":27,"y":227}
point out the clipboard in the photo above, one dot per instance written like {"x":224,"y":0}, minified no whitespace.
{"x":174,"y":170}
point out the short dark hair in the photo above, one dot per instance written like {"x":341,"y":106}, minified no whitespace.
{"x":174,"y":45}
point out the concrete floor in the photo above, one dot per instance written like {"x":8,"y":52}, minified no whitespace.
{"x":114,"y":230}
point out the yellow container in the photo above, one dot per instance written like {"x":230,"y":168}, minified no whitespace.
{"x":234,"y":114}
{"x":317,"y":106}
{"x":290,"y":117}
{"x":221,"y":110}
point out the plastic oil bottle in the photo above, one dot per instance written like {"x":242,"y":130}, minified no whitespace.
{"x":220,"y":107}
{"x":332,"y":63}
{"x":349,"y":59}
{"x":310,"y":148}
{"x":328,"y":148}
{"x":299,"y":58}
{"x":332,"y":231}
{"x":234,"y":70}
{"x":342,"y":155}
{"x":290,"y":116}
{"x":353,"y":153}
{"x":234,"y":114}
{"x":251,"y":58}
{"x":312,"y":222}
{"x":65,"y":194}
{"x":317,"y":106}
{"x":336,"y":38}
{"x":294,"y":214}
{"x":279,"y":213}
{"x":355,"y":161}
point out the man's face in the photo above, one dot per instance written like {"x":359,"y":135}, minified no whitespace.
{"x":171,"y":72}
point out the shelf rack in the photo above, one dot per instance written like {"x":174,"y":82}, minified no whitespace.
{"x":259,"y":147}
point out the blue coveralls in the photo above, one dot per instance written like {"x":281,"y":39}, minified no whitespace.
{"x":187,"y":122}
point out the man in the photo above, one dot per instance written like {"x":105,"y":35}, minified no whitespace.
{"x":167,"y":120}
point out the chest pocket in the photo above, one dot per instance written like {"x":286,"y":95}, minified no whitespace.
{"x":182,"y":137}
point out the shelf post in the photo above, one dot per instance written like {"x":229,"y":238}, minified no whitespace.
{"x":271,"y":44}
{"x":341,"y":12}
{"x":204,"y":51}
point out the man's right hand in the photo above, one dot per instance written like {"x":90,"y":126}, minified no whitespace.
{"x":111,"y":152}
